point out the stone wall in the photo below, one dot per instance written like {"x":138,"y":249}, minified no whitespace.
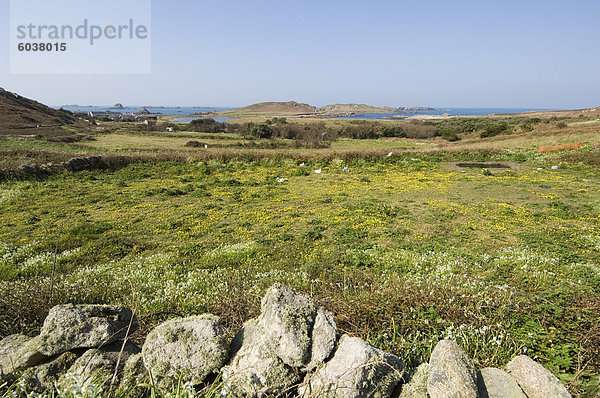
{"x":291,"y":350}
{"x":74,"y":165}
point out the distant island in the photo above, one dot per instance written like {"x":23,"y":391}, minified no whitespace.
{"x":279,"y":108}
{"x":362,"y":108}
{"x":293,"y":108}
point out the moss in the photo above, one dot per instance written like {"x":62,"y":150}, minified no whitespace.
{"x":135,"y":377}
{"x":43,"y":377}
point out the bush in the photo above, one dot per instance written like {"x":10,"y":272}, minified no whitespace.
{"x":278,"y":120}
{"x":195,"y":144}
{"x":527,"y":127}
{"x":206,"y":126}
{"x":259,"y":130}
{"x":448,"y":133}
{"x":391,"y":131}
{"x":494,"y":129}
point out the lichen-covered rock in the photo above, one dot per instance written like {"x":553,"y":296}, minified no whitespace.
{"x":496,"y":383}
{"x":8,"y":347}
{"x":186,"y":350}
{"x":135,"y":377}
{"x":19,"y":352}
{"x":535,"y":380}
{"x":417,"y":384}
{"x":255,"y":370}
{"x":288,"y":319}
{"x":451,"y":372}
{"x":42,"y":378}
{"x":324,"y":337}
{"x":356,"y":370}
{"x":10,"y":344}
{"x":97,"y":366}
{"x":271,"y":353}
{"x":68,"y":327}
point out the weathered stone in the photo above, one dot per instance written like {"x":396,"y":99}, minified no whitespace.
{"x":8,"y":347}
{"x":10,"y":344}
{"x":135,"y":371}
{"x":417,"y":384}
{"x":135,"y":377}
{"x":451,"y":372}
{"x":288,"y":319}
{"x":255,"y":371}
{"x":186,"y":350}
{"x":535,"y":380}
{"x":271,"y":353}
{"x":356,"y":370}
{"x":19,"y":352}
{"x":69,"y":327}
{"x":97,"y":366}
{"x":324,"y":337}
{"x":496,"y":383}
{"x":42,"y":378}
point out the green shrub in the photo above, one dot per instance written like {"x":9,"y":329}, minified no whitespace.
{"x":494,"y":129}
{"x":448,"y":133}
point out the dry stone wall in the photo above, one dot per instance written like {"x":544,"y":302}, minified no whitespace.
{"x":292,"y":349}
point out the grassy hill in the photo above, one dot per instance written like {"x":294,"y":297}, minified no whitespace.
{"x":24,"y":117}
{"x":20,"y":112}
{"x":276,"y":108}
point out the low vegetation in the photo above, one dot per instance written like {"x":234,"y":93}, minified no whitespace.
{"x":405,"y":247}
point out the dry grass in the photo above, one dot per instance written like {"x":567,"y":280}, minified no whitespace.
{"x":547,"y":136}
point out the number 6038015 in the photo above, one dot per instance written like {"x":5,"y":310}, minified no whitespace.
{"x":42,"y":46}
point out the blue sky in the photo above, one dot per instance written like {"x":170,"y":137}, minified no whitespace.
{"x":457,"y":53}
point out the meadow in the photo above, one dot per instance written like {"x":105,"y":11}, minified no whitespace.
{"x":406,"y":249}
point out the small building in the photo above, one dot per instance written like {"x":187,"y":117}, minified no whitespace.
{"x":128,"y":117}
{"x":114,"y":116}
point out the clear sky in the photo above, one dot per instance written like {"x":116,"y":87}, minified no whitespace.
{"x":454,"y":53}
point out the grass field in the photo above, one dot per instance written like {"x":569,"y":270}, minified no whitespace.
{"x":405,"y":250}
